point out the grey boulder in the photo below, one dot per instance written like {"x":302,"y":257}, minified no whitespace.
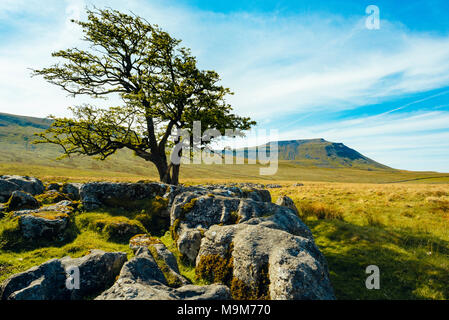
{"x":268,"y":262}
{"x":20,"y":200}
{"x":28,"y":184}
{"x":107,"y":194}
{"x":48,"y":281}
{"x":39,"y":226}
{"x":6,"y":189}
{"x":189,"y":243}
{"x":287,"y":202}
{"x":54,"y":187}
{"x":141,"y":279}
{"x":72,"y":190}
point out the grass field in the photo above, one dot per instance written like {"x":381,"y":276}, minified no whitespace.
{"x":396,"y":220}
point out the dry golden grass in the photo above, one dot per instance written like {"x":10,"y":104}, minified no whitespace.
{"x":402,"y":228}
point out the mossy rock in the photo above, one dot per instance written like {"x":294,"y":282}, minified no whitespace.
{"x":256,"y":291}
{"x":20,"y":200}
{"x":51,"y":197}
{"x":156,"y":204}
{"x":126,"y":203}
{"x":247,"y":190}
{"x":53,"y":186}
{"x":174,"y":230}
{"x":153,"y":219}
{"x":50,"y":215}
{"x":234,"y":217}
{"x":115,"y":228}
{"x":143,"y":240}
{"x":215,"y":269}
{"x":189,"y":205}
{"x":173,"y":279}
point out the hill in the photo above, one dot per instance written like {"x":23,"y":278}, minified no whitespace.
{"x":22,"y":121}
{"x":319,"y":153}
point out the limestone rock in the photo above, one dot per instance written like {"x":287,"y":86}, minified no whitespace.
{"x":28,"y":184}
{"x":72,"y":190}
{"x":106,"y":194}
{"x":98,"y":271}
{"x":6,"y":189}
{"x":21,"y":200}
{"x":54,"y":187}
{"x":64,"y":206}
{"x":44,"y":225}
{"x":193,"y":211}
{"x":165,"y":259}
{"x":44,"y":282}
{"x":287,"y":202}
{"x":48,"y":281}
{"x":189,"y":243}
{"x":141,"y":279}
{"x":267,"y":262}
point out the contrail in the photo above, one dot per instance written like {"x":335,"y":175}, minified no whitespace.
{"x":414,"y":102}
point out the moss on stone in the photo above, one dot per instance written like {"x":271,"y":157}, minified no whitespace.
{"x":247,"y":190}
{"x":51,"y":197}
{"x":174,"y":230}
{"x":172,"y":279}
{"x":152,"y":218}
{"x":257,"y":291}
{"x":10,"y":235}
{"x":118,"y":229}
{"x":13,"y":204}
{"x":216,"y":268}
{"x":189,"y":205}
{"x":234,"y":217}
{"x":144,"y":240}
{"x":50,"y":215}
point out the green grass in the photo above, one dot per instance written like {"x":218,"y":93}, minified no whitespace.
{"x":21,"y":260}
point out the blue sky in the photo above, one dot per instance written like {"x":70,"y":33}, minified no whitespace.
{"x":309,"y":69}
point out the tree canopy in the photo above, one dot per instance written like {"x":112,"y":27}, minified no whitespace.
{"x":158,"y":81}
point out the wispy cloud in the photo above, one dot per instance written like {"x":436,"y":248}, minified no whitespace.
{"x":412,"y":140}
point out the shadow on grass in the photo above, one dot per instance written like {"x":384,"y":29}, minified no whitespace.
{"x":412,"y":265}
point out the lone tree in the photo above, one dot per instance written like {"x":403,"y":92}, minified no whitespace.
{"x":158,"y":81}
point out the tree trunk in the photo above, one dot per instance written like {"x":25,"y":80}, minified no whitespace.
{"x":175,"y":174}
{"x":163,"y":170}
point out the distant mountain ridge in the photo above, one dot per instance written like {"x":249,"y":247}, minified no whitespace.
{"x":319,"y":153}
